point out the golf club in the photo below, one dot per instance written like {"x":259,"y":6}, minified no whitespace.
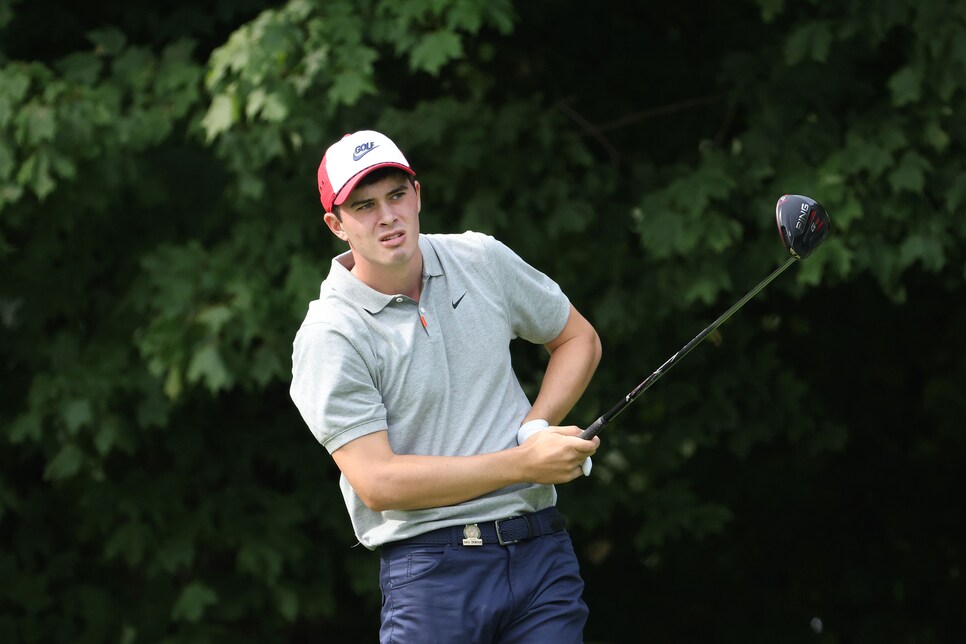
{"x":803,"y":224}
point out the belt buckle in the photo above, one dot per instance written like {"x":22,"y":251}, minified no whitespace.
{"x":499,"y":535}
{"x":471,"y":535}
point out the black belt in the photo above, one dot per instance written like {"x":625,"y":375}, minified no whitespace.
{"x":501,"y":531}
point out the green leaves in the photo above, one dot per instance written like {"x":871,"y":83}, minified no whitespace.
{"x":53,"y":117}
{"x":6,"y":11}
{"x":222,"y":113}
{"x":770,"y":9}
{"x":66,"y":463}
{"x":77,"y":414}
{"x":107,"y":41}
{"x":674,"y":511}
{"x":194,"y":599}
{"x":685,"y":219}
{"x":435,"y":50}
{"x":906,"y":86}
{"x":910,"y":173}
{"x":810,"y":40}
{"x":35,"y":174}
{"x":923,"y":247}
{"x":206,"y":366}
{"x":35,"y":125}
{"x":334,"y":47}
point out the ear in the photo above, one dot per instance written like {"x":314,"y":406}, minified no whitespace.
{"x":335,"y":226}
{"x":419,"y":202}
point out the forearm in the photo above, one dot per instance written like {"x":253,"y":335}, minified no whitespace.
{"x":384,"y":480}
{"x":573,"y":361}
{"x":411,"y":482}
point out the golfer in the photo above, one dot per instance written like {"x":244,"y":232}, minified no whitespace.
{"x":401,"y":369}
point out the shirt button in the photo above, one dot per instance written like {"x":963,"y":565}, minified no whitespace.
{"x":422,"y":310}
{"x":399,"y":299}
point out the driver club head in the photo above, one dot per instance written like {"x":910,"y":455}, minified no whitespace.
{"x":803,"y":224}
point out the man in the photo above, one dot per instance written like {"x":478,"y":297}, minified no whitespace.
{"x":402,"y":371}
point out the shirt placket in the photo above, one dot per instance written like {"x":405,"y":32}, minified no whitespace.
{"x":425,"y":310}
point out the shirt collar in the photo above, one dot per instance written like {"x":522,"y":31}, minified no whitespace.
{"x":342,"y":281}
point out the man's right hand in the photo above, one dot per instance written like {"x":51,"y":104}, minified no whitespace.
{"x":555,"y":455}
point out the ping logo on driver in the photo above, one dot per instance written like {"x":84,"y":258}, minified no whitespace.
{"x":363,"y":149}
{"x":800,"y":224}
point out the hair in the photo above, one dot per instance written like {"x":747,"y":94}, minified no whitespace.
{"x":376,"y":176}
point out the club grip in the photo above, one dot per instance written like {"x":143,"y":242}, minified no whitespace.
{"x":592,"y":429}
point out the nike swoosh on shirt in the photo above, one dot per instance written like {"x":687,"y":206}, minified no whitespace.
{"x":457,"y":302}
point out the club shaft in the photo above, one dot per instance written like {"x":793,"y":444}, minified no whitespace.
{"x":609,"y":415}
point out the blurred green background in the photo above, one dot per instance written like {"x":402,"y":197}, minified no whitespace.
{"x":798,"y":478}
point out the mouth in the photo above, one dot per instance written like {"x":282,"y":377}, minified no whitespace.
{"x":392,"y":237}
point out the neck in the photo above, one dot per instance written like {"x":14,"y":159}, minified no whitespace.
{"x":406,"y":279}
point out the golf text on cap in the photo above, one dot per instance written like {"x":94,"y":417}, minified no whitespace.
{"x":363,"y":150}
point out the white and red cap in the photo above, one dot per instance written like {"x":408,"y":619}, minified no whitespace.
{"x":351,"y":158}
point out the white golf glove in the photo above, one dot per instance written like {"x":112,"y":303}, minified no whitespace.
{"x":534,"y":426}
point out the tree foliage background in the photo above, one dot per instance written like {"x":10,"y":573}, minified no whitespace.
{"x":798,"y":478}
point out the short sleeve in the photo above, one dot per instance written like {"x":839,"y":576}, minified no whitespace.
{"x":536,"y":306}
{"x":333,"y":387}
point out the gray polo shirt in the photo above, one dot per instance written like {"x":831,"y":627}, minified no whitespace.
{"x":364,"y":361}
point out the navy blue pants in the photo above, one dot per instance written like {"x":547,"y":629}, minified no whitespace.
{"x":529,"y":591}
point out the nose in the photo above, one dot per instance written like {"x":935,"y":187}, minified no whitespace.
{"x":387,"y":215}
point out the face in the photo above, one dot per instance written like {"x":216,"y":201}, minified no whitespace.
{"x":381,"y":224}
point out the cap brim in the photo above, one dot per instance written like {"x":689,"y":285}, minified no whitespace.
{"x":350,"y":185}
